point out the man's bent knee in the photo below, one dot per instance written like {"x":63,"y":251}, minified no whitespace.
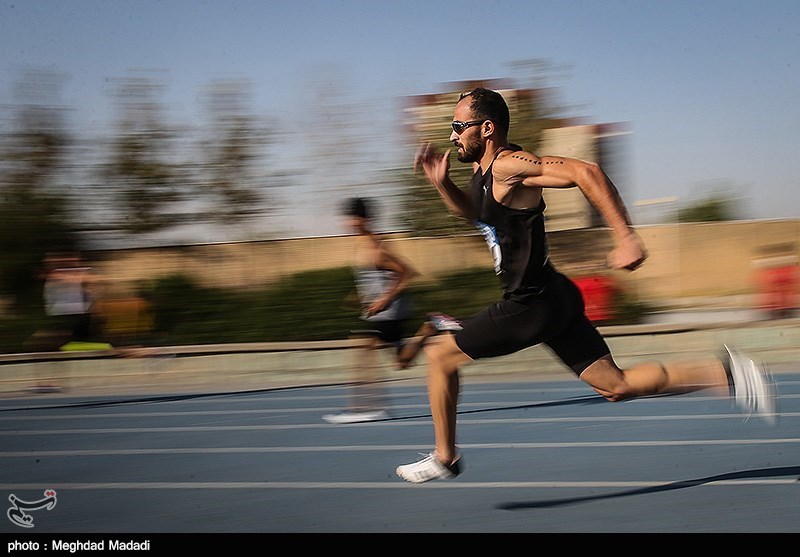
{"x":607,"y":380}
{"x":444,"y":355}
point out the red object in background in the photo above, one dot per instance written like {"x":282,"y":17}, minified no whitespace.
{"x":598,"y":296}
{"x":778,"y":288}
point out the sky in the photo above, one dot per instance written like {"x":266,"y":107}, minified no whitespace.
{"x":710,"y":90}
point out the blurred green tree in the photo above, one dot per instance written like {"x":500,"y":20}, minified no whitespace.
{"x":715,"y":207}
{"x":141,"y":180}
{"x":34,"y":200}
{"x":228,"y":174}
{"x":159,"y":175}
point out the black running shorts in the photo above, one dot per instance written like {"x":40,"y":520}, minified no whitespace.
{"x":555,"y":317}
{"x":391,"y":331}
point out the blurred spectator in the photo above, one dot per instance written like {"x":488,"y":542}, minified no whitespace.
{"x":598,"y":294}
{"x":69,"y":304}
{"x":777,"y":277}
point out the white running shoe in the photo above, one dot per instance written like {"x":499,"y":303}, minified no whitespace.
{"x":355,"y":417}
{"x":753,"y":388}
{"x":444,"y":322}
{"x":429,"y":468}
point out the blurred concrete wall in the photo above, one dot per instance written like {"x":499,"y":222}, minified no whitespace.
{"x":714,"y":259}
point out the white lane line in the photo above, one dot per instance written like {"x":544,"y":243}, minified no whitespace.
{"x":319,"y":393}
{"x":21,"y":413}
{"x":257,"y":411}
{"x":485,"y":406}
{"x":489,"y":405}
{"x":373,"y":448}
{"x":286,"y":395}
{"x":422,"y":420}
{"x":391,"y":485}
{"x":466,"y":409}
{"x":66,"y":413}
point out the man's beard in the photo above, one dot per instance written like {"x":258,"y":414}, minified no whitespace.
{"x":472,"y":152}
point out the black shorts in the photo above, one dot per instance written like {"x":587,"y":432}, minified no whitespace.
{"x":391,"y":332}
{"x":555,"y":317}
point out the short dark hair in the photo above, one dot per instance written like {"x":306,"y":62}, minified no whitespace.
{"x":357,"y":207}
{"x":489,"y":105}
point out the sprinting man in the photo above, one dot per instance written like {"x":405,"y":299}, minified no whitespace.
{"x":382,"y":280}
{"x":541,"y":305}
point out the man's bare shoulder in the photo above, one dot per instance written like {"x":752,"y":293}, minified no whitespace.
{"x":511,"y":165}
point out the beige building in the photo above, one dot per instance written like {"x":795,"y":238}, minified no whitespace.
{"x":686,"y":260}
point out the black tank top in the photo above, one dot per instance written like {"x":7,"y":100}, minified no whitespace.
{"x":516,"y":238}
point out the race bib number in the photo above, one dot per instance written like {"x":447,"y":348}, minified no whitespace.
{"x":490,"y":235}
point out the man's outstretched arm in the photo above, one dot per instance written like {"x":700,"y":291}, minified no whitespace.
{"x":559,"y":172}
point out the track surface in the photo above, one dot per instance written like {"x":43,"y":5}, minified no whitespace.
{"x":540,"y":456}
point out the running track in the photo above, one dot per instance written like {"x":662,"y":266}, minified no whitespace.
{"x":540,"y":456}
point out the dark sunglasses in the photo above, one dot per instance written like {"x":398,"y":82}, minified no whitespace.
{"x":459,"y":127}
